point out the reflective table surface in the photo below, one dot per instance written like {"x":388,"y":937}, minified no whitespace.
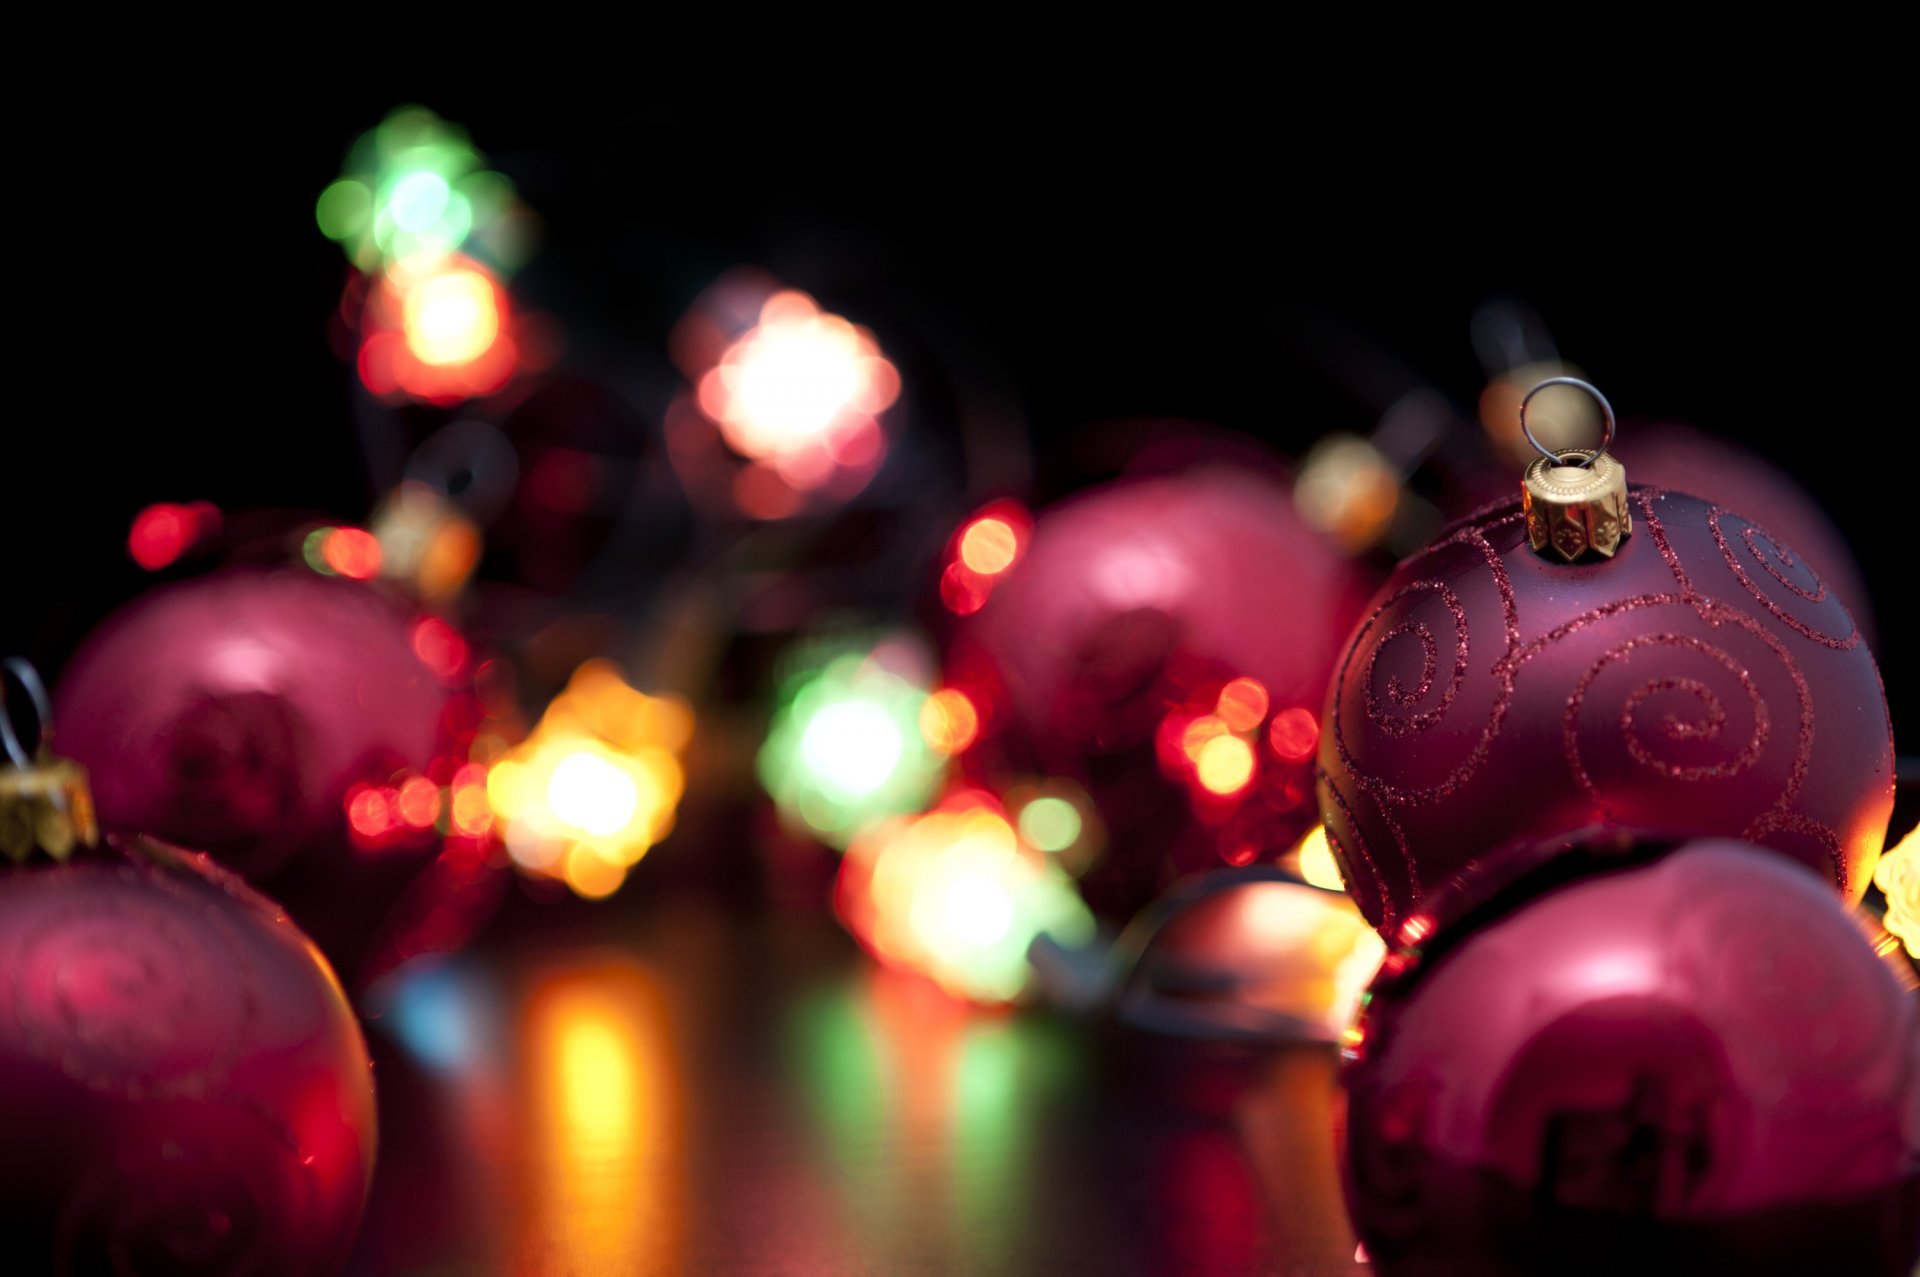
{"x":676,"y":1087}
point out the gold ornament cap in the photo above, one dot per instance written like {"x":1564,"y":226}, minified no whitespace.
{"x":1575,"y":499}
{"x":45,"y":802}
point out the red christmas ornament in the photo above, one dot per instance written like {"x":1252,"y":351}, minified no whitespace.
{"x":303,"y":730}
{"x":1679,"y":457}
{"x":1607,"y":1061}
{"x":1166,"y":641}
{"x":1702,"y":680}
{"x":186,"y":1089}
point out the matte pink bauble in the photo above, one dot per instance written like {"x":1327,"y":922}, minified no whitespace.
{"x":1681,"y":458}
{"x":183,"y":1088}
{"x":1623,"y":1062}
{"x":1703,"y":681}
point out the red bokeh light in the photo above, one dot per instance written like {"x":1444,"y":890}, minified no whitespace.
{"x":352,"y":552}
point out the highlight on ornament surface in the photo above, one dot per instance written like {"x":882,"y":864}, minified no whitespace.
{"x":595,"y":784}
{"x":959,"y":894}
{"x":1250,"y":954}
{"x":787,"y":405}
{"x":1609,"y":1054}
{"x":847,"y":744}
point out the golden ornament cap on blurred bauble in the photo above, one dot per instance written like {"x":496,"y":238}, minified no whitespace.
{"x":1575,"y":498}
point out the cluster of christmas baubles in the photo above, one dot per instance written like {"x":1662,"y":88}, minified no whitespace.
{"x":1608,"y":766}
{"x":186,"y":1087}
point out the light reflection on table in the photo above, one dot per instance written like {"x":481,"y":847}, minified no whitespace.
{"x":707,"y":1096}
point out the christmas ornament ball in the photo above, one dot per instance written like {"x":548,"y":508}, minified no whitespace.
{"x":232,"y":712}
{"x":185,"y":1089}
{"x":1629,"y":1061}
{"x":1126,"y":584}
{"x":1702,"y":680}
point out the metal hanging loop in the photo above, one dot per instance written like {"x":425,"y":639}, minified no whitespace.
{"x":28,"y":678}
{"x":1606,"y":414}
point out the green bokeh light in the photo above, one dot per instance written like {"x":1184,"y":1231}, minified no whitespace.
{"x":416,"y":185}
{"x":845,"y":749}
{"x":1050,"y":824}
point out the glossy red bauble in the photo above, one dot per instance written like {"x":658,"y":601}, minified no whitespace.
{"x":304,"y":732}
{"x":1623,"y":1063}
{"x":183,"y":1088}
{"x":1105,"y":648}
{"x":232,"y":713}
{"x":1702,"y":681}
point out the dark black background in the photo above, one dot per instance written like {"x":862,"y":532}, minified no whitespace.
{"x":1107,"y":245}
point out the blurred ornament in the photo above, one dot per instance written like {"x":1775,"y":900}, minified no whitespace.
{"x":1496,"y":691}
{"x":309,"y":731}
{"x":187,"y":1090}
{"x":1174,"y":628}
{"x":958,"y":895}
{"x":1598,"y":1060}
{"x":595,"y":784}
{"x":794,"y":393}
{"x":846,"y":746}
{"x":1669,"y":455}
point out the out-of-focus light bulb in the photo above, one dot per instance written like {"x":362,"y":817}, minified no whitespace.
{"x":1898,"y":877}
{"x":450,"y":317}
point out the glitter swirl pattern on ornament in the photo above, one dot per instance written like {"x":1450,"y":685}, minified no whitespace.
{"x":1703,"y":681}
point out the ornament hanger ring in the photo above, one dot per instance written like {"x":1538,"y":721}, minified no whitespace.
{"x":1606,"y":414}
{"x":28,"y":678}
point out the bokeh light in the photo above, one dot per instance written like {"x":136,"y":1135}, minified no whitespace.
{"x":437,"y":329}
{"x":1315,"y":862}
{"x":1348,"y":490}
{"x":954,"y":895}
{"x":594,"y":785}
{"x":416,"y":185}
{"x":1898,"y":877}
{"x":949,"y":721}
{"x":794,"y":393}
{"x":163,"y":532}
{"x":981,"y":552}
{"x":848,"y":744}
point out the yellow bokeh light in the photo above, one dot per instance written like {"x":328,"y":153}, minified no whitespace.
{"x":948,"y":721}
{"x":1316,"y":861}
{"x":1224,"y":765}
{"x":449,"y":316}
{"x":594,"y":785}
{"x":1898,"y":877}
{"x":989,"y":546}
{"x":592,"y":876}
{"x":590,"y":792}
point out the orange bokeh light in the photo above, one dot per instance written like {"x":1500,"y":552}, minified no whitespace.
{"x":989,"y":546}
{"x":1242,"y":704}
{"x":352,"y":552}
{"x":417,"y":802}
{"x":949,"y":721}
{"x":368,"y":811}
{"x":1294,"y":734}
